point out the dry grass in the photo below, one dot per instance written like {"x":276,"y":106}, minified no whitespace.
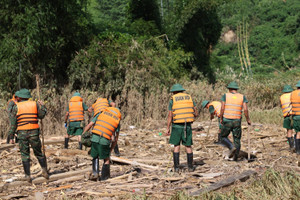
{"x":146,"y":107}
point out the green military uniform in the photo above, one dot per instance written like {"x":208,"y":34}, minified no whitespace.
{"x":76,"y":127}
{"x":100,"y":145}
{"x":233,"y":125}
{"x":10,"y":106}
{"x":178,"y":131}
{"x":27,"y":137}
{"x":296,"y":123}
{"x":287,"y":123}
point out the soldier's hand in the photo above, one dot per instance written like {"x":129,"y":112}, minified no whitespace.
{"x":40,"y":102}
{"x":167,"y":132}
{"x":249,"y":122}
{"x":113,"y":139}
{"x":12,"y":141}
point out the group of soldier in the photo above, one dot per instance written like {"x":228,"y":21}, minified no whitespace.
{"x":105,"y":125}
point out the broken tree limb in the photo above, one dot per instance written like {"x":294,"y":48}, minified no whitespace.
{"x":132,"y":162}
{"x":225,"y":182}
{"x":53,"y":177}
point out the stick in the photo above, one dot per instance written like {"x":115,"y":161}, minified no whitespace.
{"x":208,"y":129}
{"x":41,"y":122}
{"x":248,"y":136}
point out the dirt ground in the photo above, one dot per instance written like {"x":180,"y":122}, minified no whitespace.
{"x":155,"y":179}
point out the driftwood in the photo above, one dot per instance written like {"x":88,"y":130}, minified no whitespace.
{"x":132,"y":162}
{"x":225,"y":182}
{"x":42,"y":179}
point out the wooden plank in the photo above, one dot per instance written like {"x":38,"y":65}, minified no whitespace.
{"x":52,"y":178}
{"x":132,"y":162}
{"x":225,"y":182}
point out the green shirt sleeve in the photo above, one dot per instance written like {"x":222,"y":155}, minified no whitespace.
{"x":42,"y":111}
{"x":211,"y":109}
{"x":85,"y":108}
{"x":95,"y":118}
{"x":223,"y":98}
{"x":13,"y":121}
{"x":245,"y":99}
{"x":170,"y":104}
{"x":67,"y":108}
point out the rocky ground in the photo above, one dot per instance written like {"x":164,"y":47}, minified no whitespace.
{"x":148,"y":172}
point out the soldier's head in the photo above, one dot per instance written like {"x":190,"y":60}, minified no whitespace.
{"x":298,"y":85}
{"x":205,"y":104}
{"x":24,"y":94}
{"x":287,"y":89}
{"x":233,"y":86}
{"x":112,"y":104}
{"x":76,"y":94}
{"x":176,"y":88}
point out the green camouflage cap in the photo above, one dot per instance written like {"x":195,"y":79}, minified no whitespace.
{"x":233,"y":85}
{"x":287,"y":88}
{"x":76,"y":94}
{"x":204,"y":103}
{"x":177,"y":88}
{"x":298,"y":84}
{"x":24,"y":93}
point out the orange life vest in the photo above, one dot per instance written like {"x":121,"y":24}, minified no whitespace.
{"x":183,"y":108}
{"x":27,"y":115}
{"x":285,"y":101}
{"x":76,"y":109}
{"x":107,"y":122}
{"x":233,"y":106}
{"x":295,"y":100}
{"x":100,"y":105}
{"x":217,"y":107}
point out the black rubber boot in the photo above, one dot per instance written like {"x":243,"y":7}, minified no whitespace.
{"x":227,"y":143}
{"x":26,"y":166}
{"x":8,"y":139}
{"x":66,"y":143}
{"x":190,"y":162}
{"x":297,"y":142}
{"x":291,"y":142}
{"x":43,"y":164}
{"x":176,"y":161}
{"x":105,"y":172}
{"x":236,"y":154}
{"x":116,"y":150}
{"x":80,"y":145}
{"x":95,"y":174}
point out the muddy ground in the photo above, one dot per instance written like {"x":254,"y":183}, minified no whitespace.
{"x":155,"y":179}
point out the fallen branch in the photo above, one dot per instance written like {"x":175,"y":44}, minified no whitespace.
{"x":132,"y":162}
{"x":225,"y":182}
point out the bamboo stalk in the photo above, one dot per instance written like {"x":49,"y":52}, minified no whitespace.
{"x":247,"y":51}
{"x":242,"y":48}
{"x":239,"y":48}
{"x":41,"y":122}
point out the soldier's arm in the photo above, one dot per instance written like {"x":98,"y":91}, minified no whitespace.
{"x":42,"y":110}
{"x":222,"y":111}
{"x":88,"y":127}
{"x":170,"y":117}
{"x":212,"y":116}
{"x":13,"y":123}
{"x":90,"y":109}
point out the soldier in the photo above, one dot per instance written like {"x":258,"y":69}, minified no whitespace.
{"x":214,"y":109}
{"x":75,"y":119}
{"x":106,"y":127}
{"x":25,"y":115}
{"x":99,"y":105}
{"x":285,"y":102}
{"x":231,"y":118}
{"x":10,"y":104}
{"x":182,"y":112}
{"x":295,"y":100}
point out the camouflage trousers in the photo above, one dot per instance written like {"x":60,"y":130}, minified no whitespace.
{"x":30,"y":137}
{"x":235,"y":127}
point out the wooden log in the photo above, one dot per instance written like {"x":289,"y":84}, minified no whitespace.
{"x":132,"y":162}
{"x":128,"y":186}
{"x":121,"y":177}
{"x":69,"y":179}
{"x":52,"y":178}
{"x":225,"y":182}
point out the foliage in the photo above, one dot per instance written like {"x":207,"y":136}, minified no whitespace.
{"x":41,"y":36}
{"x":273,"y":39}
{"x":109,"y":15}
